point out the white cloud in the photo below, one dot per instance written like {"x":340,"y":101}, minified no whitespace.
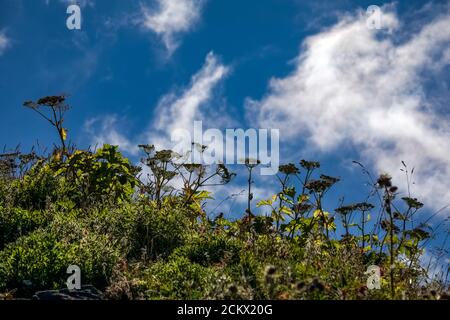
{"x":364,"y":87}
{"x":231,"y":199}
{"x":176,"y":110}
{"x":4,"y":42}
{"x":180,"y":111}
{"x":105,"y":130}
{"x":172,"y":18}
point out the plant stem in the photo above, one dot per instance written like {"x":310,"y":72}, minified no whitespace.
{"x":249,"y":190}
{"x":391,"y":240}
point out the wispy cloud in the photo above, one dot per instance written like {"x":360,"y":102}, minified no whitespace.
{"x":4,"y":42}
{"x":176,"y":110}
{"x":106,"y":130}
{"x":179,"y":111}
{"x":353,"y":85}
{"x":171,"y":18}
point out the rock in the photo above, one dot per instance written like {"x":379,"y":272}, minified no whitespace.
{"x":87,"y":292}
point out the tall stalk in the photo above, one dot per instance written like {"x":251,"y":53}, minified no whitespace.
{"x":391,"y":239}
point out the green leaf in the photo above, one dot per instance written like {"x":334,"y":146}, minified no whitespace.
{"x":267,"y":202}
{"x":286,"y":210}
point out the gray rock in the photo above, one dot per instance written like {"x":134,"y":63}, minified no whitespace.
{"x":87,"y":292}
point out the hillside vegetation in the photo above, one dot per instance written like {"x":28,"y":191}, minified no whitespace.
{"x":136,"y":237}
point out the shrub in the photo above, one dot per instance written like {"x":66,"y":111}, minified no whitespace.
{"x":96,"y":252}
{"x":36,"y":261}
{"x":17,"y":222}
{"x":157,"y":232}
{"x":92,"y":178}
{"x":178,"y":278}
{"x":40,"y":259}
{"x":210,"y":249}
{"x":37,"y":188}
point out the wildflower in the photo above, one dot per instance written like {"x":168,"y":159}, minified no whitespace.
{"x":328,"y":179}
{"x":413,"y":202}
{"x":319,"y":186}
{"x":289,"y":168}
{"x":309,"y":165}
{"x":164,"y":155}
{"x":192,"y":167}
{"x":51,"y":100}
{"x":384,"y":181}
{"x":361,"y":206}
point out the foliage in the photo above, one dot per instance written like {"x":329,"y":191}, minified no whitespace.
{"x":17,"y":222}
{"x":139,"y":237}
{"x":94,"y":177}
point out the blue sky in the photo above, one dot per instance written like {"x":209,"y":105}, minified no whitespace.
{"x":336,"y":90}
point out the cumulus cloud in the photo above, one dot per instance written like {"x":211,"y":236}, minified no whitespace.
{"x":353,"y":85}
{"x":172,"y":18}
{"x":4,"y":42}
